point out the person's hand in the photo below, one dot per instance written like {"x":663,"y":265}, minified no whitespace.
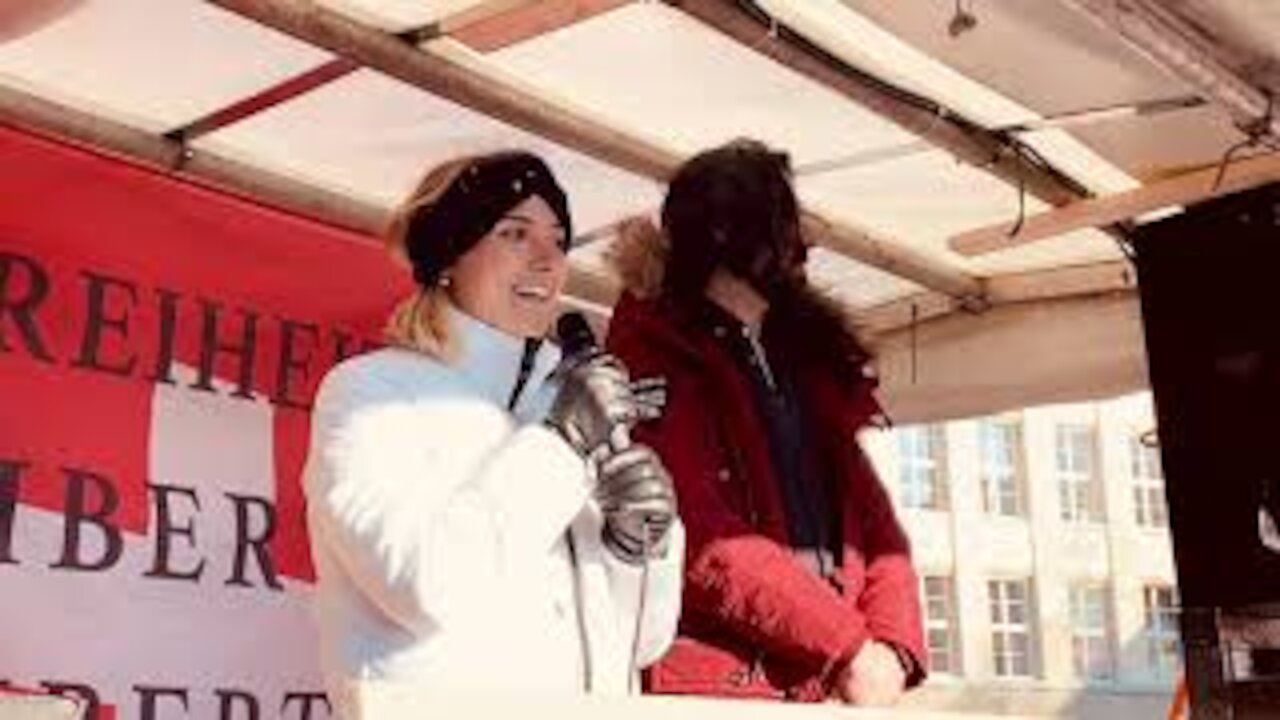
{"x":638,"y":502}
{"x":875,"y":677}
{"x":594,"y":399}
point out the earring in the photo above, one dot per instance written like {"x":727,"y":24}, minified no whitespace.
{"x":445,"y":281}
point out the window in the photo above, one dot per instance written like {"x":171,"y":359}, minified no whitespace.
{"x":1160,"y":608}
{"x":1078,"y":492}
{"x":999,"y":442}
{"x":921,"y":451}
{"x":940,"y":625}
{"x":1010,"y":627}
{"x":1091,"y":632}
{"x":1148,"y":485}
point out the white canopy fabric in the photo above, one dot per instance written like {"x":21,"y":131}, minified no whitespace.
{"x":654,"y":71}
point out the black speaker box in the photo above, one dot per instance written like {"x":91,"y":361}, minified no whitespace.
{"x":1209,"y":281}
{"x":1210,"y":285}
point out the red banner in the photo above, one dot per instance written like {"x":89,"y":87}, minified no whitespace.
{"x":160,"y":343}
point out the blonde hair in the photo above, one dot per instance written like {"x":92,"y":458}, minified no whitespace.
{"x":421,"y":321}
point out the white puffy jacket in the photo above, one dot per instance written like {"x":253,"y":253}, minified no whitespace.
{"x":456,"y":543}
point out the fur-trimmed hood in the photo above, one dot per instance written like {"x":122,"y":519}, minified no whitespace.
{"x":821,"y":326}
{"x":639,"y":256}
{"x":806,"y":322}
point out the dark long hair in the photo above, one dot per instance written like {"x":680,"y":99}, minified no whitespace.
{"x":732,"y":207}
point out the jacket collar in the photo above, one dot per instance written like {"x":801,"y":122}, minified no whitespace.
{"x":490,"y":359}
{"x":842,"y":394}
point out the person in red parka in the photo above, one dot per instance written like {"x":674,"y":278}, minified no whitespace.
{"x":799,"y":583}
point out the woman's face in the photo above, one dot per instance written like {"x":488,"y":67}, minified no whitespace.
{"x":511,"y":279}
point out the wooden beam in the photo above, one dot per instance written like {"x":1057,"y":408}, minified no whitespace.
{"x":968,"y":142}
{"x":1156,"y":29}
{"x":65,"y":124}
{"x":61,"y":122}
{"x":1050,"y":351}
{"x":528,"y":20}
{"x":18,"y":19}
{"x":1184,"y":189}
{"x":1105,"y":278}
{"x":479,"y":13}
{"x":1035,"y":285}
{"x":892,"y":257}
{"x":277,"y":94}
{"x":904,"y":312}
{"x":445,"y":77}
{"x":477,"y":18}
{"x":450,"y":71}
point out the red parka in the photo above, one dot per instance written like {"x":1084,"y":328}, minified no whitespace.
{"x":756,"y":621}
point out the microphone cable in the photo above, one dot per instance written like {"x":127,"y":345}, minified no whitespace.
{"x":633,"y":669}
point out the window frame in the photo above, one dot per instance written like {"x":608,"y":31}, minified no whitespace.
{"x":1161,"y":627}
{"x":1002,"y":481}
{"x":1004,"y":630}
{"x":1089,"y":642}
{"x":1079,"y":489}
{"x":912,"y":465}
{"x":949,"y":624}
{"x":1150,"y":508}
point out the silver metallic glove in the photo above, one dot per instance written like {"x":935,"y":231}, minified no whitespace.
{"x":594,"y":407}
{"x":650,"y":397}
{"x":638,"y":501}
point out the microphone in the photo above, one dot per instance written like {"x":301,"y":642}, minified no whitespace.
{"x":577,"y":341}
{"x":578,"y":345}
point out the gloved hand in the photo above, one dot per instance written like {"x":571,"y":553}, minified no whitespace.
{"x":594,"y":399}
{"x":650,"y":397}
{"x":638,"y":501}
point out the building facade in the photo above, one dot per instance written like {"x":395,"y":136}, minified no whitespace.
{"x":1041,"y":538}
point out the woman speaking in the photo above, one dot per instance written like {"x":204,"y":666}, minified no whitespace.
{"x":476,"y":523}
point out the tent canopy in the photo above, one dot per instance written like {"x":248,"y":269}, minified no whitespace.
{"x":922,"y":132}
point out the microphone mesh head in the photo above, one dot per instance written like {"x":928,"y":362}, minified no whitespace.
{"x":574,"y":334}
